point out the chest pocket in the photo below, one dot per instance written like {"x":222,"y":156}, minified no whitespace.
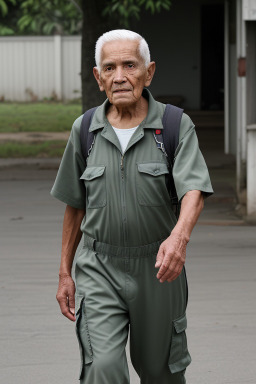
{"x":95,"y":184}
{"x":150,"y":184}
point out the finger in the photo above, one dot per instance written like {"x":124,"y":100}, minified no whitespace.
{"x":63,"y":302}
{"x":163,"y":269}
{"x":175,"y":272}
{"x":71,"y":303}
{"x":159,"y":257}
{"x":173,"y":277}
{"x":165,"y":265}
{"x":174,"y":268}
{"x":171,"y":274}
{"x":167,"y":275}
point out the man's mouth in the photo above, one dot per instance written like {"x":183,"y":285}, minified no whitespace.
{"x":121,"y":90}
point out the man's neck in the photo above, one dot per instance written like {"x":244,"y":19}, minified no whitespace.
{"x":129,"y":116}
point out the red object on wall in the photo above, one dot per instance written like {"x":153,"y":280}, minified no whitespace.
{"x":242,"y":66}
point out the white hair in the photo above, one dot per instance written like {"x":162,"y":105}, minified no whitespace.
{"x":121,"y":34}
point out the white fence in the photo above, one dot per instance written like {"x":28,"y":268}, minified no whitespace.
{"x":38,"y":67}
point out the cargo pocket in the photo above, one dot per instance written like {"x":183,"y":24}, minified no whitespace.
{"x":82,"y":333}
{"x":179,"y":357}
{"x":95,"y":184}
{"x":151,"y":184}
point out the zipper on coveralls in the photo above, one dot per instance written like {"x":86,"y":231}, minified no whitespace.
{"x":122,"y":166}
{"x":123,"y":201}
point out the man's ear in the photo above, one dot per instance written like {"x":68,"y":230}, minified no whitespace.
{"x":150,"y":73}
{"x":97,"y":77}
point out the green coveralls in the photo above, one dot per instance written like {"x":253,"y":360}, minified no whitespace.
{"x":128,"y":215}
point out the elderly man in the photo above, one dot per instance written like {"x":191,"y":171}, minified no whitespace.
{"x":130,"y":268}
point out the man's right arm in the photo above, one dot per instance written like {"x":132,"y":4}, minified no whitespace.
{"x":71,"y":236}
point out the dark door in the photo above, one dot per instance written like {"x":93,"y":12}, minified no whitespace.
{"x":212,"y":56}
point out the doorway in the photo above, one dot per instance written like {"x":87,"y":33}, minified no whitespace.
{"x":212,"y":57}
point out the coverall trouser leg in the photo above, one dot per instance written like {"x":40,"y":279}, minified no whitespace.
{"x":117,"y":287}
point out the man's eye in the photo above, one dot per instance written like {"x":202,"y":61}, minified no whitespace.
{"x":130,"y":66}
{"x":108,"y":69}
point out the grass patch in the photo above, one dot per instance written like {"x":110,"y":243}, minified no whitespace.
{"x":38,"y":117}
{"x":38,"y":149}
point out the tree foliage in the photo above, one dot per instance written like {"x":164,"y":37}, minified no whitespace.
{"x":127,"y":10}
{"x":9,"y":15}
{"x":47,"y":17}
{"x":4,"y":6}
{"x":41,"y":17}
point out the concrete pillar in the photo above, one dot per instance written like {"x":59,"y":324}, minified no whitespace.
{"x":226,"y":77}
{"x":251,"y":170}
{"x":241,"y":104}
{"x":251,"y":118}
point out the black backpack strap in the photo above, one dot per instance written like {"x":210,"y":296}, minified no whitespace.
{"x":86,"y":137}
{"x":167,"y":140}
{"x":171,"y":122}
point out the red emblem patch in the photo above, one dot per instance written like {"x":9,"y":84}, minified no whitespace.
{"x":158,"y":131}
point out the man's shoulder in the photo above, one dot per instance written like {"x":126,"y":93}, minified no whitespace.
{"x":186,"y":125}
{"x":77,"y":124}
{"x":75,"y":130}
{"x":186,"y":120}
{"x":160,"y":108}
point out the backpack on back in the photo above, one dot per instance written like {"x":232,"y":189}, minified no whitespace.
{"x":167,"y":141}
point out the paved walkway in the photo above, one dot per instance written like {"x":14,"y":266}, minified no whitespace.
{"x":38,"y":345}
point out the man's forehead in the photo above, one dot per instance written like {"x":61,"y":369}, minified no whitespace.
{"x":120,"y":49}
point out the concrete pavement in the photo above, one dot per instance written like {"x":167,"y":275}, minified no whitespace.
{"x":38,"y":345}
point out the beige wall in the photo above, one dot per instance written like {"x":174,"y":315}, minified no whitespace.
{"x":41,"y":64}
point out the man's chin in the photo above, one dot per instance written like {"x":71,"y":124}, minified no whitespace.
{"x":123,"y":98}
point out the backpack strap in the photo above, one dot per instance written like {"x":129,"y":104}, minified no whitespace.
{"x":167,"y":140}
{"x":87,"y":137}
{"x":171,"y":122}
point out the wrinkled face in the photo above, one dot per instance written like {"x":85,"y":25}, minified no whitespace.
{"x":123,"y":73}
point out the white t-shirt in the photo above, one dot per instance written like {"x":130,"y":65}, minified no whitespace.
{"x":124,"y":136}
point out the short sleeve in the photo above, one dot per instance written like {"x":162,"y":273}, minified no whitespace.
{"x":189,"y":170}
{"x":68,"y":187}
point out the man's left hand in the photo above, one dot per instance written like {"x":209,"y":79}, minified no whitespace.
{"x":171,"y":257}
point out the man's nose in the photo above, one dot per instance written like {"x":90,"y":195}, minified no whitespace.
{"x":119,"y":75}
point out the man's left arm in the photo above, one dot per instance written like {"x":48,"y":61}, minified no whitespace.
{"x":193,"y":185}
{"x":172,"y":252}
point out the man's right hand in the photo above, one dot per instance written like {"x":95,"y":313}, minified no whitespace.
{"x":66,"y":296}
